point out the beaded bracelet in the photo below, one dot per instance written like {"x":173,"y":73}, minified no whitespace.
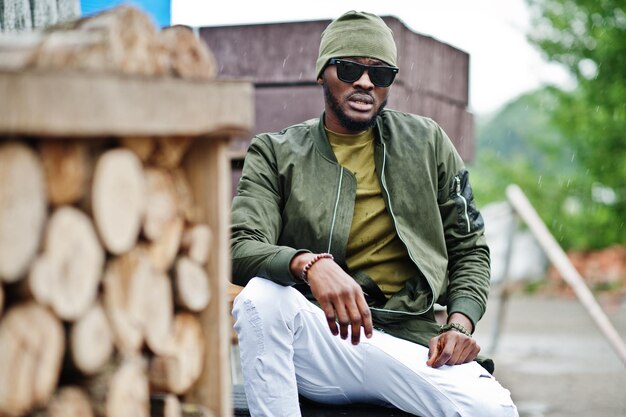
{"x":454,"y":326}
{"x":305,"y":271}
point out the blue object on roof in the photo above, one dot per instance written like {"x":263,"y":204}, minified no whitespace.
{"x":159,"y":10}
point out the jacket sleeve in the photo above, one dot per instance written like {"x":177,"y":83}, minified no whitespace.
{"x":256,"y":221}
{"x":468,"y":253}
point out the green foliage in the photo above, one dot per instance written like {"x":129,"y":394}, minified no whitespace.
{"x":589,"y":38}
{"x":522,"y":145}
{"x":567,"y":149}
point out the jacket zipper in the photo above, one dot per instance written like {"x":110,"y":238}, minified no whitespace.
{"x":395,"y":224}
{"x":458,"y":193}
{"x":332,"y":225}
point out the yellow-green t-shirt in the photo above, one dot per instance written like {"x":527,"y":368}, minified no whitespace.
{"x":373,"y":244}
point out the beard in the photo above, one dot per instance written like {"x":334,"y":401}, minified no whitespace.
{"x":345,"y":120}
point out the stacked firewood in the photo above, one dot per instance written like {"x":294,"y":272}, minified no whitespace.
{"x":102,"y":258}
{"x":119,"y":40}
{"x":102,"y":271}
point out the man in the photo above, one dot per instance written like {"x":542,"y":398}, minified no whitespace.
{"x":368,"y":213}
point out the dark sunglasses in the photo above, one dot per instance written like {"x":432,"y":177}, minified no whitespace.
{"x":350,"y":71}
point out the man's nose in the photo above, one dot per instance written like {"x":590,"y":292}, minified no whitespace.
{"x":364,"y":81}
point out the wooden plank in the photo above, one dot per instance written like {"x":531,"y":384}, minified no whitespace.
{"x":207,"y":166}
{"x":38,"y":103}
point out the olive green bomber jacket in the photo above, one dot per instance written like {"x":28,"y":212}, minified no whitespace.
{"x":293,"y":196}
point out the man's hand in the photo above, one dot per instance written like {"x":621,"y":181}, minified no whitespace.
{"x":339,"y":295}
{"x":453,"y":347}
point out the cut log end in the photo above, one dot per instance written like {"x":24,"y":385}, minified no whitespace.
{"x":184,"y":194}
{"x":118,"y":199}
{"x":22,"y":209}
{"x":192,"y":285}
{"x":163,"y":251}
{"x":189,"y":57}
{"x":91,"y":341}
{"x":158,"y":313}
{"x":75,"y":255}
{"x":139,"y":303}
{"x":161,"y":203}
{"x":32,"y":345}
{"x":170,"y":151}
{"x":66,"y":166}
{"x":70,"y":401}
{"x":142,"y":146}
{"x":128,"y":393}
{"x":177,"y":371}
{"x":197,"y":243}
{"x":124,"y":280}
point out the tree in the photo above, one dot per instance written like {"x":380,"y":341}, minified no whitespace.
{"x":588,"y":37}
{"x":521,"y":145}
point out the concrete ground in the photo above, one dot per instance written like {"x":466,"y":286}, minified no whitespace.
{"x":554,"y":359}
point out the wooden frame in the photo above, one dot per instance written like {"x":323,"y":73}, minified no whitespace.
{"x":39,"y":102}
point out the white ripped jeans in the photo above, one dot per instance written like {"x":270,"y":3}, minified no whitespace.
{"x":287,"y":348}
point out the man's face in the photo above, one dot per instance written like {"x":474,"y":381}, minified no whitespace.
{"x":352,"y":107}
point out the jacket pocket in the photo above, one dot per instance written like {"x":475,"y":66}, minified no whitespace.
{"x":468,"y":216}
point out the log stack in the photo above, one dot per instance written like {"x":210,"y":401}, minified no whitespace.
{"x":114,"y":200}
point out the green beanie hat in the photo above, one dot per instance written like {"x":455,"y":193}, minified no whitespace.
{"x":357,"y":34}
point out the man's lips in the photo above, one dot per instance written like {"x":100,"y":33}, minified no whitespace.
{"x":361,"y":102}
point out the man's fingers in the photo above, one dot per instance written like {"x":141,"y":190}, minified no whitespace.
{"x":346,"y":311}
{"x":366,"y":316}
{"x":451,"y":349}
{"x":329,"y":312}
{"x":355,"y":321}
{"x":460,"y":354}
{"x":443,"y":352}
{"x":472,"y":352}
{"x":343,"y":319}
{"x":466,"y":349}
{"x":461,"y":345}
{"x":356,"y":333}
{"x":433,"y":351}
{"x":360,"y":315}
